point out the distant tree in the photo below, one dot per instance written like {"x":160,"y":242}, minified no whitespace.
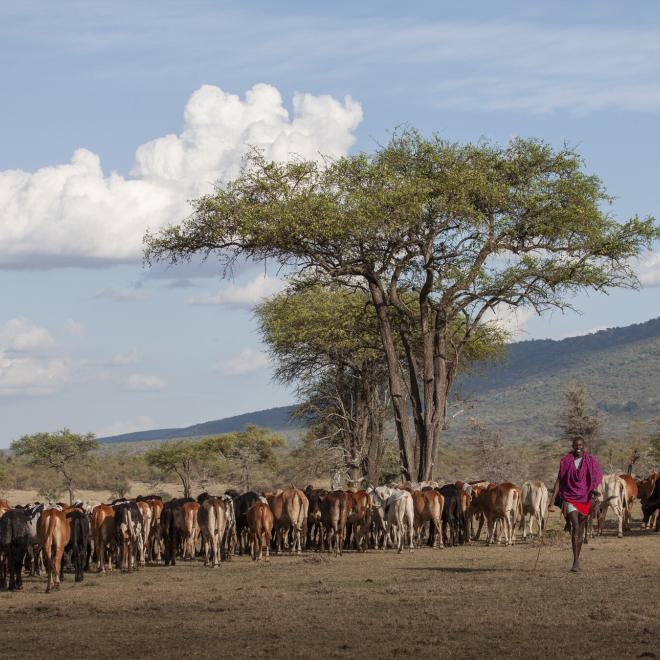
{"x":494,"y":458}
{"x":187,"y":459}
{"x":246,"y":449}
{"x":324,"y":343}
{"x":465,"y":230}
{"x":63,"y":452}
{"x":577,"y":422}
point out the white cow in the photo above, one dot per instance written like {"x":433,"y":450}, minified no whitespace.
{"x":613,"y":494}
{"x":534,"y":501}
{"x":379,"y":497}
{"x":400,"y":516}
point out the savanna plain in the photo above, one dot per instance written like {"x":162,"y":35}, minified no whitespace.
{"x":463,"y":602}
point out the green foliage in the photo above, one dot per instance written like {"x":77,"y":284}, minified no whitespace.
{"x":243,"y":450}
{"x":63,"y":452}
{"x":439,"y":234}
{"x":188,"y":460}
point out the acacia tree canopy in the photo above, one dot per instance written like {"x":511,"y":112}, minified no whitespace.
{"x":61,"y":451}
{"x":462,"y":229}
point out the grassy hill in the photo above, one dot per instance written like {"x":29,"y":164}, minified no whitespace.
{"x":521,"y":394}
{"x":273,"y":418}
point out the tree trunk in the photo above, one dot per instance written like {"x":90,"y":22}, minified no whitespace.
{"x":397,"y":387}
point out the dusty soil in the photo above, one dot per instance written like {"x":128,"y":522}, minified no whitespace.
{"x":466,"y":602}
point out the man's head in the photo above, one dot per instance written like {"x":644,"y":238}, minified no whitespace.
{"x":578,"y":447}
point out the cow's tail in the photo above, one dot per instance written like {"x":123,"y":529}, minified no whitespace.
{"x":50,"y":536}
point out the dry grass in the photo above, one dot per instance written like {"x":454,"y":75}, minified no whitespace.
{"x":467,"y":602}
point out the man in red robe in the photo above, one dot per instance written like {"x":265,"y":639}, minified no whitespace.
{"x":578,"y":479}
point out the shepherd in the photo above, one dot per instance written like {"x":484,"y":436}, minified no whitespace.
{"x":577,"y":483}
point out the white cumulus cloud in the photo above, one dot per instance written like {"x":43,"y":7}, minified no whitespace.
{"x":246,"y":362}
{"x":28,"y":376}
{"x":242,"y":296}
{"x":75,"y":213}
{"x":141,"y":383}
{"x":20,"y":336}
{"x":510,"y":319}
{"x":648,"y":270}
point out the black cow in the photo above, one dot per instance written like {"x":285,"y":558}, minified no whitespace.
{"x":171,"y":524}
{"x":651,"y":505}
{"x":452,"y":516}
{"x":13,"y":548}
{"x":77,"y":547}
{"x":242,"y":503}
{"x":128,"y":533}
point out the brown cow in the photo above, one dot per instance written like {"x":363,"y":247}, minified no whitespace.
{"x":54,"y":532}
{"x":103,"y":534}
{"x":334,"y":514}
{"x":290,"y":509}
{"x":359,"y":518}
{"x":314,"y":525}
{"x":4,"y":507}
{"x":644,"y":489}
{"x":212,"y":519}
{"x":500,"y":503}
{"x":260,"y":524}
{"x":428,"y":505}
{"x":190,"y":529}
{"x":154,"y":545}
{"x":631,"y":494}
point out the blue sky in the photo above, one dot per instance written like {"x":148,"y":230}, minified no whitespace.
{"x":113,"y":116}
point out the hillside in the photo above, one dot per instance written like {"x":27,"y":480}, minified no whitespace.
{"x":521,"y":394}
{"x":273,"y":418}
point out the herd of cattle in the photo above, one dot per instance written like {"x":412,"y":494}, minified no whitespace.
{"x":130,"y":533}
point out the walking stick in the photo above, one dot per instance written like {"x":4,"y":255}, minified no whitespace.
{"x":538,"y":554}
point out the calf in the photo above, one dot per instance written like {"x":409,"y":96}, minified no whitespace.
{"x":54,"y":535}
{"x":260,"y":523}
{"x":79,"y":535}
{"x":534,"y":503}
{"x":14,"y":540}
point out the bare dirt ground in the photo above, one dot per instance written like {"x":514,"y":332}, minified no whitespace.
{"x":465,"y":602}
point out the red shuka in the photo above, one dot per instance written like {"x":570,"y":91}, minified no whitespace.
{"x":582,"y":507}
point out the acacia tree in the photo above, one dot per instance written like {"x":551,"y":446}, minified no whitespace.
{"x":187,"y":459}
{"x":63,"y":452}
{"x":465,"y":230}
{"x":245,"y":449}
{"x":577,"y":422}
{"x":324,"y":341}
